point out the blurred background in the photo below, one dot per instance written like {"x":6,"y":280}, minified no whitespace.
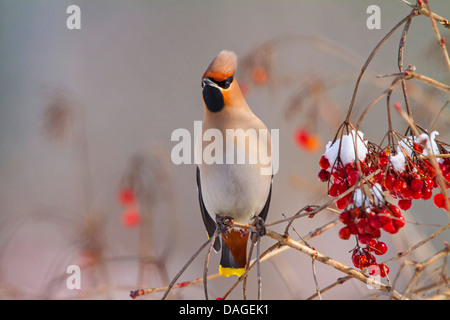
{"x":86,"y":115}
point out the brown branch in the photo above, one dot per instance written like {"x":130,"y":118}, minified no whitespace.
{"x":333,"y":263}
{"x":438,"y":85}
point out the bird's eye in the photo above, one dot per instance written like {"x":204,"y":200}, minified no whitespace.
{"x":225,"y":84}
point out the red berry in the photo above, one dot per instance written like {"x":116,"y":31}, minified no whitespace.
{"x":395,"y":210}
{"x":407,"y":193}
{"x":384,"y":216}
{"x":384,"y":270}
{"x":353,"y":178}
{"x":324,"y":175}
{"x":342,"y":203}
{"x":341,"y":188}
{"x":380,"y":248}
{"x":361,"y":225}
{"x":349,"y":168}
{"x":399,"y":222}
{"x":363,"y":261}
{"x":447,"y":176}
{"x":372,"y":243}
{"x":352,"y":227}
{"x":429,"y":183}
{"x":355,"y":259}
{"x":417,"y":195}
{"x":345,"y":217}
{"x":379,"y":178}
{"x":383,"y":159}
{"x":389,"y":227}
{"x":368,"y":228}
{"x":324,"y":163}
{"x":404,"y":204}
{"x":389,"y":181}
{"x":426,"y":193}
{"x":131,"y":218}
{"x":399,"y":185}
{"x":416,"y":184}
{"x":363,"y":238}
{"x":439,"y":200}
{"x":344,"y":233}
{"x":376,"y":222}
{"x":126,"y":197}
{"x":373,"y":269}
{"x":333,"y":190}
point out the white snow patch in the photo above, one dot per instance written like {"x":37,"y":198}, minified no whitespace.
{"x":347,"y":151}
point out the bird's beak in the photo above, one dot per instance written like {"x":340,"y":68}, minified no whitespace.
{"x":208,"y":82}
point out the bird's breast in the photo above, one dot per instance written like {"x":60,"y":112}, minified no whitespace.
{"x":236,"y":187}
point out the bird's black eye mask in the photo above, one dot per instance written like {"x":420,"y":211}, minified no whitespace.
{"x":225,"y":84}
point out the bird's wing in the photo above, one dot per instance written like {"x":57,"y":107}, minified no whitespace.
{"x":265,"y":209}
{"x":210,"y":224}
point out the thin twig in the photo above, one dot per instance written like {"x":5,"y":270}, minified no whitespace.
{"x":174,"y":280}
{"x":369,"y":59}
{"x":440,"y":40}
{"x":205,"y":273}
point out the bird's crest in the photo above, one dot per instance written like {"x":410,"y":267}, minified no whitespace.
{"x":222,"y":67}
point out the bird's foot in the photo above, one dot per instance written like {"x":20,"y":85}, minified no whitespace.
{"x":224,"y":223}
{"x":260,"y":228}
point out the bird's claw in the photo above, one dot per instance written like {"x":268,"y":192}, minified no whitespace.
{"x":260,"y":228}
{"x":224,"y":223}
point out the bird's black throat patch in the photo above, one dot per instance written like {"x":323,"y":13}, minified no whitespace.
{"x":213,"y":98}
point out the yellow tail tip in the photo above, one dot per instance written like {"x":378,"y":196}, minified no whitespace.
{"x":226,"y":272}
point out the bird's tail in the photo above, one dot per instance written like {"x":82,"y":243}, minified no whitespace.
{"x":234,"y":253}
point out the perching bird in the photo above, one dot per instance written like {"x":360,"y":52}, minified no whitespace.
{"x":231,"y":188}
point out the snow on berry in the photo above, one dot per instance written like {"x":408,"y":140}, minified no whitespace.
{"x":346,"y":149}
{"x":401,"y":170}
{"x":398,"y":161}
{"x":429,"y":143}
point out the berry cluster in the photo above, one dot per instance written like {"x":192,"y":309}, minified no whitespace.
{"x":363,"y":258}
{"x":415,"y":178}
{"x":406,"y":175}
{"x":339,"y":166}
{"x":366,"y":224}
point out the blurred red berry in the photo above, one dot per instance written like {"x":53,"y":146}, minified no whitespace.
{"x":131,"y":218}
{"x":307,"y":140}
{"x":126,"y":197}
